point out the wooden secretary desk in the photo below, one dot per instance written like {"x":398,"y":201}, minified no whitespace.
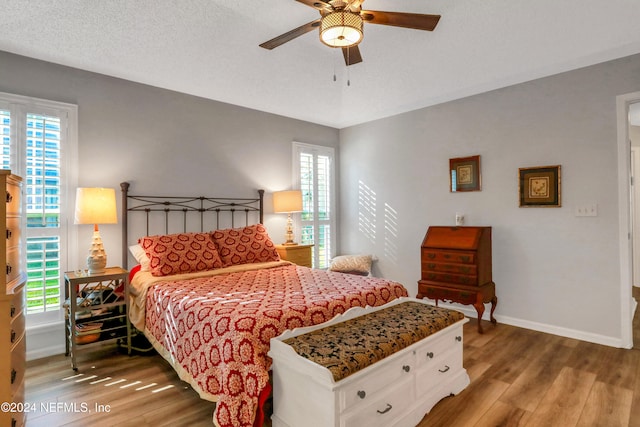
{"x":456,"y":266}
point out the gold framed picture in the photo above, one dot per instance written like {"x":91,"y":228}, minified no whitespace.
{"x":540,"y":187}
{"x":464,"y":174}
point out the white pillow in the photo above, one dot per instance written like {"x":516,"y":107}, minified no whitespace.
{"x":140,"y":255}
{"x":352,"y":264}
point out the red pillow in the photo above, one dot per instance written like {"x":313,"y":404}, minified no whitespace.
{"x":180,"y":253}
{"x":245,"y":245}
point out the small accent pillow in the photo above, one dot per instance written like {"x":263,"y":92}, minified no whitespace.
{"x":141,"y":257}
{"x":180,"y":253}
{"x":245,"y":245}
{"x":352,"y":264}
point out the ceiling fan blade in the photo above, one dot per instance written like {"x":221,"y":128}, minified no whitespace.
{"x":351,"y":55}
{"x":417,"y":21}
{"x":290,"y":35}
{"x":317,"y":4}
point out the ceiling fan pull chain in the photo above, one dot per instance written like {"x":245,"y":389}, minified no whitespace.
{"x":348,"y":72}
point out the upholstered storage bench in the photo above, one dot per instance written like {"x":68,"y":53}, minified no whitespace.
{"x":379,"y":366}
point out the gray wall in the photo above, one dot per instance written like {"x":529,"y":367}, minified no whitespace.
{"x":162,"y":142}
{"x":553,"y":271}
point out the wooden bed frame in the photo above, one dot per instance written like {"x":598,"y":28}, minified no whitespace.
{"x":174,"y":214}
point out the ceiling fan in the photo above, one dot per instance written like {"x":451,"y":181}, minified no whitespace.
{"x":341,"y":25}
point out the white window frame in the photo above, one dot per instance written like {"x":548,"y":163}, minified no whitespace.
{"x":19,"y":106}
{"x":298,"y":148}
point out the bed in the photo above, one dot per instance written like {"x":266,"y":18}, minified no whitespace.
{"x":209,"y":291}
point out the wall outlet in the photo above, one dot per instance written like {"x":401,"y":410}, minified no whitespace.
{"x":587,"y":210}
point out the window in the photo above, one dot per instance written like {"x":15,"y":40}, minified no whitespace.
{"x":38,"y":143}
{"x":313,"y":170}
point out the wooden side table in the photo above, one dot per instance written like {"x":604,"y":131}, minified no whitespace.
{"x":297,"y":254}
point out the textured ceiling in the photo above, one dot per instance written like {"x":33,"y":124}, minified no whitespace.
{"x":209,"y":48}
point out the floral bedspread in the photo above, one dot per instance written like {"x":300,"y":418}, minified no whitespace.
{"x":215,"y":331}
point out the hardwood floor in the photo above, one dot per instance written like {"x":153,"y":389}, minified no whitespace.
{"x":518,"y":378}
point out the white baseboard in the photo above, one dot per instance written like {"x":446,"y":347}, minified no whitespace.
{"x":45,"y":340}
{"x":541,"y":327}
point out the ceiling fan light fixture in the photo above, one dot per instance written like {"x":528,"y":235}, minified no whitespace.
{"x":341,"y":29}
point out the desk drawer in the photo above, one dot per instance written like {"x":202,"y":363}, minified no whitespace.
{"x":443,"y":277}
{"x":464,"y":269}
{"x":457,"y":257}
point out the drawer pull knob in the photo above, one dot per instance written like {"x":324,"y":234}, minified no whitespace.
{"x":14,"y":422}
{"x":362,"y":394}
{"x":387,"y":409}
{"x":459,"y":338}
{"x":14,"y":374}
{"x":9,"y":268}
{"x":9,"y":234}
{"x":13,"y":311}
{"x":9,"y":197}
{"x":13,"y":336}
{"x":406,"y":368}
{"x":446,"y":368}
{"x":430,"y":355}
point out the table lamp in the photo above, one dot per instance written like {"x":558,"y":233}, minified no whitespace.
{"x":288,"y":202}
{"x":96,"y":206}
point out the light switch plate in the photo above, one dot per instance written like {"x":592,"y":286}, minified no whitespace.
{"x":587,"y":210}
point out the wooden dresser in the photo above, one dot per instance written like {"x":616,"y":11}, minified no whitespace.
{"x":12,"y":288}
{"x":456,"y":266}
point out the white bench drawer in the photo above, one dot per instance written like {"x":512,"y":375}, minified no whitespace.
{"x":438,"y":371}
{"x":363,"y":390}
{"x":385,"y":409}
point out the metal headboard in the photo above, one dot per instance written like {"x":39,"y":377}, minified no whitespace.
{"x":186,"y":214}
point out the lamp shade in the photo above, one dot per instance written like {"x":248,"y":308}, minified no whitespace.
{"x":287,"y":201}
{"x":96,"y":206}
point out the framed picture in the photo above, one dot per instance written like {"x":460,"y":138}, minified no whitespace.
{"x":540,"y":187}
{"x":464,"y":174}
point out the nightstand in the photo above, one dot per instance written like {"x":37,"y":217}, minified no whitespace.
{"x":96,"y":309}
{"x":297,"y":254}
